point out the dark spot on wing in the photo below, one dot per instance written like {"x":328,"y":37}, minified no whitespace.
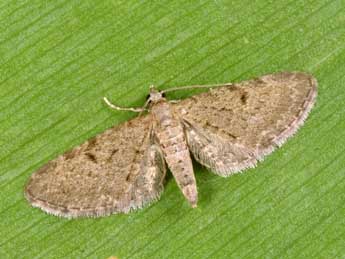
{"x":113,"y":152}
{"x":91,"y":157}
{"x":244,"y":97}
{"x":258,"y":81}
{"x":70,"y":154}
{"x":231,"y":135}
{"x":91,"y":143}
{"x":234,"y":88}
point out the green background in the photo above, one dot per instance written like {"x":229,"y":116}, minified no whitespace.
{"x":59,"y":58}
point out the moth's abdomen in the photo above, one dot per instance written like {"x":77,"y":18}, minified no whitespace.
{"x":172,"y":140}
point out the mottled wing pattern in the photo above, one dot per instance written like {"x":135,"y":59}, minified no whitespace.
{"x":118,"y":170}
{"x":230,"y":128}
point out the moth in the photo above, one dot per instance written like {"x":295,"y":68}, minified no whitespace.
{"x":227,"y":129}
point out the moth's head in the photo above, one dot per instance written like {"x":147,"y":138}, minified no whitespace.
{"x":155,"y":95}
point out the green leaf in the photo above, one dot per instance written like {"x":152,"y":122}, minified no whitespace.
{"x":59,"y":58}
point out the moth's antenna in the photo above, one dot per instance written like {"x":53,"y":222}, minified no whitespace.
{"x":124,"y":108}
{"x":194,"y":86}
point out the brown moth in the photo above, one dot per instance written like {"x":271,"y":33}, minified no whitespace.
{"x":227,"y":129}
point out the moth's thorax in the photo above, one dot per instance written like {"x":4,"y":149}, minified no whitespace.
{"x":172,"y":140}
{"x":162,"y":113}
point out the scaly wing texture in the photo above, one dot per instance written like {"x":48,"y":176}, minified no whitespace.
{"x":118,"y":170}
{"x":230,"y":128}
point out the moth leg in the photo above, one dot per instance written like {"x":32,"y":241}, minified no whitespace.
{"x":115,"y":107}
